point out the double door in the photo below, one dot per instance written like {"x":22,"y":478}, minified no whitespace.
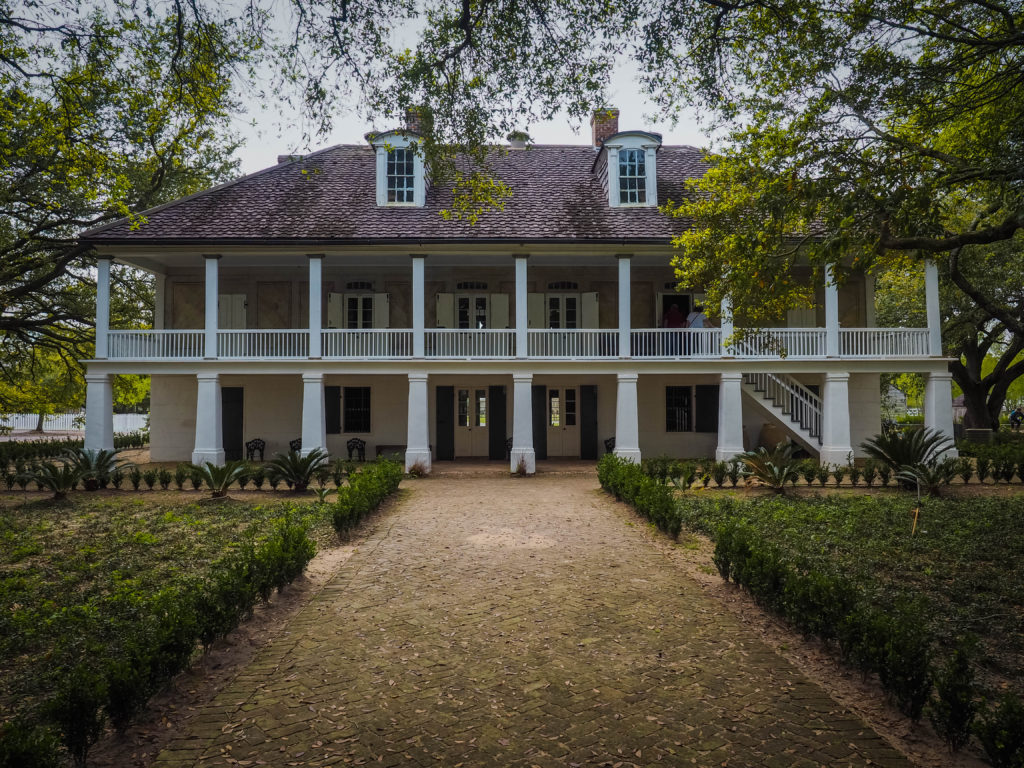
{"x":471,"y":416}
{"x":470,"y":421}
{"x":563,"y":431}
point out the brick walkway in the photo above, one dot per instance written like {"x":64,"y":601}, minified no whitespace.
{"x":501,"y":622}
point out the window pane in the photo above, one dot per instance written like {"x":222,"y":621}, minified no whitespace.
{"x":463,"y":310}
{"x":570,"y":407}
{"x":400,"y":176}
{"x":352,"y":312}
{"x":554,"y":313}
{"x":367,"y":312}
{"x":463,"y":407}
{"x":632,"y":176}
{"x":481,"y":407}
{"x":554,"y":409}
{"x":570,"y":312}
{"x":677,"y":409}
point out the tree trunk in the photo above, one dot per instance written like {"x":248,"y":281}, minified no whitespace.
{"x":40,"y":423}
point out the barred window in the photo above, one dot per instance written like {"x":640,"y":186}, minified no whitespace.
{"x":471,"y":285}
{"x":677,"y":409}
{"x":356,"y":401}
{"x":632,"y":176}
{"x":400,"y":176}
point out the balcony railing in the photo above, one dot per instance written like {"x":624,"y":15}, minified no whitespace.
{"x":494,"y":344}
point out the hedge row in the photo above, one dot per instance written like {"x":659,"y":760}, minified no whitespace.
{"x":628,"y":482}
{"x":18,"y":454}
{"x":365,"y":492}
{"x":156,"y":637}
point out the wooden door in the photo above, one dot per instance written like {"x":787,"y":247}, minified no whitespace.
{"x":444,"y":414}
{"x":563,"y":430}
{"x":232,"y":410}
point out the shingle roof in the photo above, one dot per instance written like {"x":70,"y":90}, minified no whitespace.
{"x":555,"y":196}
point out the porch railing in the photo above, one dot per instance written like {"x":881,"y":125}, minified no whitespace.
{"x":883,"y":342}
{"x":154,"y":345}
{"x":371,"y":343}
{"x":574,"y":343}
{"x":782,"y":342}
{"x":476,"y":342}
{"x":262,"y":344}
{"x":676,"y":342}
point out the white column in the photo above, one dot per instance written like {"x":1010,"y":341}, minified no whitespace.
{"x":521,"y":309}
{"x":727,"y":326}
{"x":212,"y":292}
{"x":102,"y":305}
{"x":835,"y":419}
{"x":931,"y":296}
{"x":418,"y":303}
{"x":417,"y":441}
{"x":522,"y":423}
{"x":938,"y":404}
{"x":209,"y":427}
{"x":831,"y":314}
{"x":316,"y":310}
{"x":160,"y":302}
{"x":869,"y":301}
{"x":627,"y":426}
{"x":99,"y":413}
{"x":730,"y":417}
{"x":314,"y":420}
{"x":625,"y":304}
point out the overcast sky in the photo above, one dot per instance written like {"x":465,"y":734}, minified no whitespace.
{"x":269,"y":132}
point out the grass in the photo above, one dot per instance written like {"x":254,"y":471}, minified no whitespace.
{"x":63,"y":563}
{"x":964,"y":560}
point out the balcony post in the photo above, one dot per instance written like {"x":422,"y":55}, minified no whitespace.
{"x":522,"y":422}
{"x":831,"y":314}
{"x":627,"y":428}
{"x":209,"y":426}
{"x":316,"y":310}
{"x":314,"y":414}
{"x":931,"y":295}
{"x":625,"y":305}
{"x":522,"y":350}
{"x":417,"y":441}
{"x":102,"y":306}
{"x":730,"y":417}
{"x":99,"y":413}
{"x":938,"y":405}
{"x":727,"y":326}
{"x":835,"y":419}
{"x":212,"y":297}
{"x":418,"y":303}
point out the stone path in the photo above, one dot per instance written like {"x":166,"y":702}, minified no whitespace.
{"x":508,"y":622}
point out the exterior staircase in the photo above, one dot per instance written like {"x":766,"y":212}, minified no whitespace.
{"x":789,"y":401}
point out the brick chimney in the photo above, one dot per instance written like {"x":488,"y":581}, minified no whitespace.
{"x":416,"y":120}
{"x":604,"y":123}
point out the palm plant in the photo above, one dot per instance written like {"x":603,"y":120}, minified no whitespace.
{"x":908,"y":454}
{"x":95,"y":467}
{"x":59,"y":478}
{"x":930,"y":476}
{"x":219,"y":478}
{"x":295,"y":470}
{"x":773,"y":468}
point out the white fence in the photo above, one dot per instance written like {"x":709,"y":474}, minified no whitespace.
{"x":71,"y":422}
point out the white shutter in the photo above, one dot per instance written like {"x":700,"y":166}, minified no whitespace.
{"x":535,"y":311}
{"x":335,"y":310}
{"x":499,"y":310}
{"x":445,"y":310}
{"x":381,"y":310}
{"x":231,"y":311}
{"x":588,"y":310}
{"x":801,"y":318}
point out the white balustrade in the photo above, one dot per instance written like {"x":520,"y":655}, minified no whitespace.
{"x":574,"y":343}
{"x":782,"y":342}
{"x":154,"y":345}
{"x":883,"y":342}
{"x":262,"y":343}
{"x":378,"y":343}
{"x":676,"y":342}
{"x":795,"y":400}
{"x":472,"y":342}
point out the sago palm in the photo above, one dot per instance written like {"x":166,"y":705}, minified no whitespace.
{"x":297,"y":470}
{"x":773,"y":468}
{"x":219,"y":478}
{"x":59,"y":478}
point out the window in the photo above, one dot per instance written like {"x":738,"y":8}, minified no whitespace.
{"x":632,"y":176}
{"x":359,"y":311}
{"x":356,"y":401}
{"x":677,"y":409}
{"x":359,"y":285}
{"x":554,"y":408}
{"x":472,"y":285}
{"x":401,"y":176}
{"x":563,"y":285}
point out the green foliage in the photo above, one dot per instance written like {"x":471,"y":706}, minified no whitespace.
{"x":1001,"y":732}
{"x":94,"y":466}
{"x":914,"y":455}
{"x":219,"y":478}
{"x":77,"y":710}
{"x":650,"y":497}
{"x":181,"y":474}
{"x":297,"y":470}
{"x":59,"y":478}
{"x":772,"y":468}
{"x":953,"y":709}
{"x":28,"y":745}
{"x":150,"y":477}
{"x":165,"y":477}
{"x":366,"y":490}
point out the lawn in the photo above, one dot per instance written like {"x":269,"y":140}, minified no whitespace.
{"x":115,"y":578}
{"x":964,"y":564}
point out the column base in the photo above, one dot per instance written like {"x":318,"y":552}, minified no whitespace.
{"x":526,"y":456}
{"x":727,"y":453}
{"x":214,"y":457}
{"x":629,"y":454}
{"x":835,"y":454}
{"x":421,"y":456}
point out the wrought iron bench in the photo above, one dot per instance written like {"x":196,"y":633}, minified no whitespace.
{"x":254,"y":445}
{"x":609,"y":444}
{"x":357,"y":445}
{"x":295,"y":445}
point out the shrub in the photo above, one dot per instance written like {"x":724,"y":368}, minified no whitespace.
{"x":983,"y":466}
{"x":838,"y":473}
{"x":953,"y":708}
{"x":149,"y":477}
{"x":855,"y":473}
{"x":902,"y":451}
{"x":219,"y":478}
{"x":719,"y":471}
{"x":808,"y":469}
{"x":686,"y":473}
{"x":24,"y":744}
{"x":365,"y":492}
{"x":965,"y":469}
{"x":772,"y":468}
{"x":296,"y":470}
{"x":822,"y":472}
{"x":95,"y":466}
{"x":870,"y":472}
{"x":59,"y":478}
{"x":736,"y":472}
{"x":165,"y":478}
{"x":195,"y":476}
{"x":181,"y":474}
{"x":135,"y":478}
{"x":258,"y":477}
{"x":77,"y":710}
{"x":1001,"y":732}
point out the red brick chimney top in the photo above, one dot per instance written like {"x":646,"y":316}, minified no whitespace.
{"x":604,"y":123}
{"x":416,"y":120}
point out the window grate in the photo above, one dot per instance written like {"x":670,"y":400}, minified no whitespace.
{"x":356,"y":401}
{"x":677,"y":409}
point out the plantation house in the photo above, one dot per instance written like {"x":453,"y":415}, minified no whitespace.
{"x":326,"y":299}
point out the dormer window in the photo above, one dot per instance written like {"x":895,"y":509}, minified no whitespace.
{"x":401,"y":176}
{"x":626,"y":166}
{"x":632,"y":177}
{"x":401,"y":180}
